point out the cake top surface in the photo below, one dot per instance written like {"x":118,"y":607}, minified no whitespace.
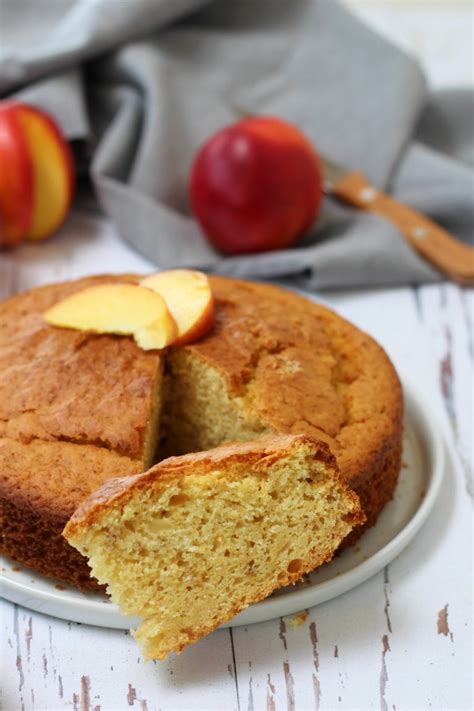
{"x":304,"y":369}
{"x":63,"y":385}
{"x":55,"y":476}
{"x":298,"y":366}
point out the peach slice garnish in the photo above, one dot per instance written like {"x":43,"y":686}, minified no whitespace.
{"x":189,"y":297}
{"x":123,"y":309}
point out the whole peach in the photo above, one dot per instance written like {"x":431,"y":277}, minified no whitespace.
{"x":256,"y":185}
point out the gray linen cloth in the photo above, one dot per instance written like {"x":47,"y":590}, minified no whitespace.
{"x":143,"y":83}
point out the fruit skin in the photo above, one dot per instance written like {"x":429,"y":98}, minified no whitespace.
{"x":48,"y":213}
{"x":32,"y":145}
{"x":16,"y":179}
{"x":256,"y":185}
{"x":189,"y":297}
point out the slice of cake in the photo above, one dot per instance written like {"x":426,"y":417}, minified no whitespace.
{"x":197,"y":538}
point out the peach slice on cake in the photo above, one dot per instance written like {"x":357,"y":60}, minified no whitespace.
{"x":189,"y":298}
{"x":123,"y":309}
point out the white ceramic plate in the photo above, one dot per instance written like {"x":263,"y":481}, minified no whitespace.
{"x":400,"y":521}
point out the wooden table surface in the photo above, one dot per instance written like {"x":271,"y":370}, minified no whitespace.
{"x":400,"y":641}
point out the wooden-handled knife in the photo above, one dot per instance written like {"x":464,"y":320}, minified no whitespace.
{"x":435,"y":244}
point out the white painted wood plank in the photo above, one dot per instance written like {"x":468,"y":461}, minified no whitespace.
{"x":434,"y":575}
{"x":448,"y":312}
{"x":87,"y":244}
{"x":333,"y":660}
{"x":406,"y":663}
{"x":52,"y":664}
{"x":440,"y":571}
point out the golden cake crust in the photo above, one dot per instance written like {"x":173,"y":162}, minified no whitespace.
{"x":58,"y":384}
{"x":306,"y":370}
{"x":119,"y":489}
{"x":74,"y":409}
{"x":41,"y":484}
{"x":301,"y":369}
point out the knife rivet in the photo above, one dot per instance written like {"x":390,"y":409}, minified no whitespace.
{"x":419,"y":232}
{"x":368,"y":194}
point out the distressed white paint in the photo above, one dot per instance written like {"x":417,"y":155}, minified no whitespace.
{"x":377,"y":646}
{"x":389,"y":651}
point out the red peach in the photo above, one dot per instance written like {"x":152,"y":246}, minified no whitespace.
{"x":256,"y":185}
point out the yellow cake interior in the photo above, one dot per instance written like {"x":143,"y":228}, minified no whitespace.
{"x":197,"y":542}
{"x":200,"y":412}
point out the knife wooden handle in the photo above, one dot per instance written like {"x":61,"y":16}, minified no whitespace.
{"x":435,"y":244}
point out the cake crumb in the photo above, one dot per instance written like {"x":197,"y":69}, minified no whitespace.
{"x":297,"y":619}
{"x":305,"y":580}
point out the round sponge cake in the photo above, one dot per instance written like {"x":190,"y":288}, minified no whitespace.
{"x":79,"y":408}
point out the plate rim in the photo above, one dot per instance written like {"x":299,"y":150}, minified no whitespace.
{"x":344,"y":582}
{"x":294,"y":600}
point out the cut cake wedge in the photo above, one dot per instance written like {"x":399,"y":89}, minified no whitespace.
{"x":197,"y":538}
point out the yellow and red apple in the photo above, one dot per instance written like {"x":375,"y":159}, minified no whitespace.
{"x":256,"y":185}
{"x":36,"y":174}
